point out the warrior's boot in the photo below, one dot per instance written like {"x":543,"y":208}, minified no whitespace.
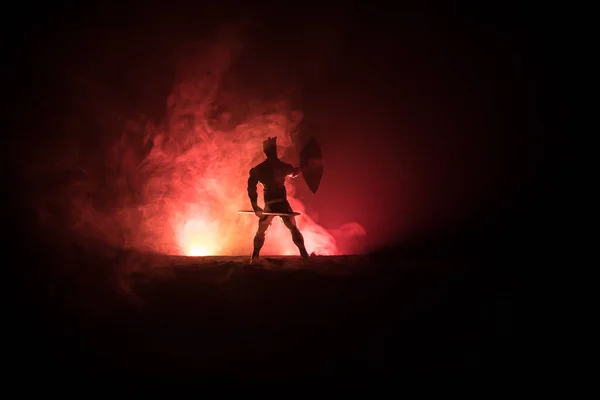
{"x":259,"y":240}
{"x":255,"y":256}
{"x":303,"y":253}
{"x":299,"y":241}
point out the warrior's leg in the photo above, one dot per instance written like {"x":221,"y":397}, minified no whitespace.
{"x":259,"y":238}
{"x":290,"y":223}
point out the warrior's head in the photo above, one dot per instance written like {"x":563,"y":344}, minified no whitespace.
{"x":270,"y":147}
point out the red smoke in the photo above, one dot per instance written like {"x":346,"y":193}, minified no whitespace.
{"x":191,"y":183}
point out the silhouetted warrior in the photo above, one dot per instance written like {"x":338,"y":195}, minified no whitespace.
{"x":272,"y":173}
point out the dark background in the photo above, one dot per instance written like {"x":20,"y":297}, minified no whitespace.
{"x":432,"y":121}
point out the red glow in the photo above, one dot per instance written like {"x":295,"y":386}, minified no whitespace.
{"x":194,"y":178}
{"x":196,"y":195}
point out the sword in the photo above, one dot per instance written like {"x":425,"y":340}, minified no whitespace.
{"x":276,"y":214}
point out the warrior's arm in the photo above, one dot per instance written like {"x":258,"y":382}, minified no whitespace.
{"x":252,"y":192}
{"x":294,"y":171}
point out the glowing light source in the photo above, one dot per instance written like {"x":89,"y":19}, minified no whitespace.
{"x":198,"y":238}
{"x":196,"y":250}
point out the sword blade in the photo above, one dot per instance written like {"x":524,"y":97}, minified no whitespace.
{"x":276,"y":214}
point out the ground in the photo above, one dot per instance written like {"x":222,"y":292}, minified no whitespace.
{"x":126,"y":314}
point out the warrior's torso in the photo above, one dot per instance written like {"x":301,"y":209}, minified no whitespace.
{"x":271,"y":173}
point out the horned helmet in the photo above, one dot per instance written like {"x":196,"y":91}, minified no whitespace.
{"x":270,"y":147}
